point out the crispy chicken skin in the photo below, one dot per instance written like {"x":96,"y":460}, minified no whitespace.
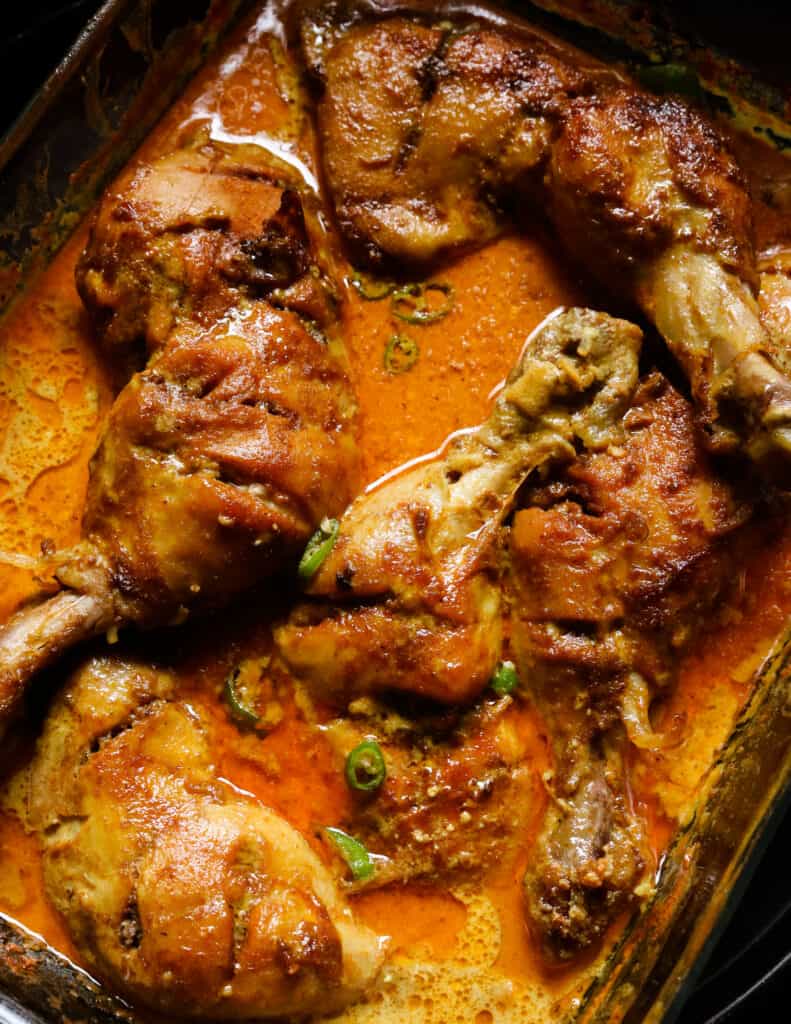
{"x":616,"y":565}
{"x":475,"y":122}
{"x":408,"y":598}
{"x":219,"y":458}
{"x":190,"y":899}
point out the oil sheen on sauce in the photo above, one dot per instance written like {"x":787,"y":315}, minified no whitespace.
{"x":461,"y":954}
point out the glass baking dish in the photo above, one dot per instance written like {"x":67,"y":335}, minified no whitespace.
{"x":123,"y":72}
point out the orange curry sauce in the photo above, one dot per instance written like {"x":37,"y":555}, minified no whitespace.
{"x":54,"y":391}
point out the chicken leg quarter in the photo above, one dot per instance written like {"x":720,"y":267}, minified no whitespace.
{"x":476,"y":121}
{"x":221,"y":456}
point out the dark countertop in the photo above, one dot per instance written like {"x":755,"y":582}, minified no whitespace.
{"x":749,"y":974}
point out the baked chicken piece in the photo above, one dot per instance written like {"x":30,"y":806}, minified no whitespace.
{"x":477,"y":123}
{"x":189,"y":898}
{"x":408,"y":598}
{"x":220,"y":458}
{"x":616,"y":566}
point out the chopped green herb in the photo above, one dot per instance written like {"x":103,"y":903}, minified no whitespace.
{"x":421,"y":303}
{"x":240,"y":712}
{"x":365,"y":767}
{"x":505,"y":680}
{"x":401,"y":354}
{"x":318,"y":547}
{"x":370,"y":288}
{"x":353,"y":852}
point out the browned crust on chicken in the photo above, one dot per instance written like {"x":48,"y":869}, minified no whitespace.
{"x":183,"y":238}
{"x":216,"y":464}
{"x":191,"y":899}
{"x":616,"y":566}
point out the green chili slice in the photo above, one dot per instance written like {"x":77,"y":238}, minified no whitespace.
{"x":401,"y":354}
{"x":365,"y":767}
{"x":353,"y":852}
{"x":413,"y":303}
{"x":678,"y":78}
{"x":505,"y":680}
{"x":371,"y":289}
{"x":240,"y":712}
{"x":318,"y":547}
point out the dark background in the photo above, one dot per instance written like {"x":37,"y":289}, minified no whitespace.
{"x":748,"y":978}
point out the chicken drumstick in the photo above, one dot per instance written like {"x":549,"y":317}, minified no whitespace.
{"x":617,"y":563}
{"x":408,"y":596}
{"x":193,"y":899}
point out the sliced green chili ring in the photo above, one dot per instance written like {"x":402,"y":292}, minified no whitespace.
{"x":353,"y":852}
{"x":240,"y":713}
{"x":371,"y":289}
{"x":415,"y":298}
{"x":317,"y":549}
{"x":401,"y":354}
{"x":365,"y":767}
{"x":505,"y":680}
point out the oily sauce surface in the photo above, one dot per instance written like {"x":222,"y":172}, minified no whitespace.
{"x":55,"y":390}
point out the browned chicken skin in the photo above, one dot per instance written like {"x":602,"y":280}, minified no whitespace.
{"x":616,"y":566}
{"x":181,"y":239}
{"x":192,"y":899}
{"x":409,"y":593}
{"x":220,"y":457}
{"x":641,"y":189}
{"x":465,"y":766}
